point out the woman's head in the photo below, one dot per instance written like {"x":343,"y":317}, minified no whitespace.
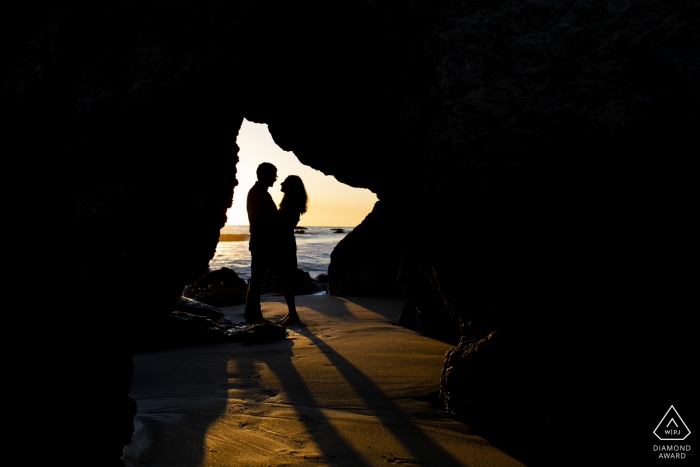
{"x":295,"y":196}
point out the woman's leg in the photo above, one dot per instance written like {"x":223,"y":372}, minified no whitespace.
{"x":288,"y":292}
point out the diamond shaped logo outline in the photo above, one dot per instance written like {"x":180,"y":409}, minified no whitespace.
{"x":672,"y":420}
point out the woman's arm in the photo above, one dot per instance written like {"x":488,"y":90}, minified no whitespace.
{"x":288,"y":220}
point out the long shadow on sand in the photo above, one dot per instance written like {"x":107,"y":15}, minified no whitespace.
{"x":410,"y":436}
{"x":332,"y":442}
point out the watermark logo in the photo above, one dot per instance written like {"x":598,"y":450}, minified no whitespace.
{"x":671,"y":427}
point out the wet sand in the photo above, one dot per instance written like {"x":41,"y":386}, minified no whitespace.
{"x":346,"y":388}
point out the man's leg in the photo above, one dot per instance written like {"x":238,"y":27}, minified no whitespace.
{"x":259,"y":265}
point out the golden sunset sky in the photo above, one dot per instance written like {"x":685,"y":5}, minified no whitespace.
{"x":331,"y":203}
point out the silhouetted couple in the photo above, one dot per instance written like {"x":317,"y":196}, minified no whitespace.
{"x":273,"y":247}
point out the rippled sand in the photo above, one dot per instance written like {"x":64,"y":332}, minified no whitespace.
{"x":346,"y":388}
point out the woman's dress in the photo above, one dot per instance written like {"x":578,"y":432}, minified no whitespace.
{"x":286,"y":264}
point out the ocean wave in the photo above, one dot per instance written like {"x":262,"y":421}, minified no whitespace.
{"x":234,"y":237}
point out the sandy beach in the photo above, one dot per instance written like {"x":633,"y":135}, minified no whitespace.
{"x":347,"y":387}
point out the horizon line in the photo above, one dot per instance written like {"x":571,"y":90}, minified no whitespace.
{"x":309,"y":225}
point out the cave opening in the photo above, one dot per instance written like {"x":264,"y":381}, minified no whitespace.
{"x":334,"y":207}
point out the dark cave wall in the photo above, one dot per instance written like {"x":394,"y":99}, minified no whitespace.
{"x":530,"y":157}
{"x":553,"y":179}
{"x":122,"y":119}
{"x":123,"y":135}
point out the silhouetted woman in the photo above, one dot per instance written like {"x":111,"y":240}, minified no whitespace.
{"x":292,"y":206}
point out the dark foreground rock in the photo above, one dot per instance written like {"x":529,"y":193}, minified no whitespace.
{"x":426,"y":310}
{"x":195,"y":307}
{"x":411,"y":318}
{"x":222,"y":287}
{"x":501,"y":389}
{"x":322,"y":277}
{"x":366,"y":261}
{"x":182,"y":328}
{"x":302,"y":283}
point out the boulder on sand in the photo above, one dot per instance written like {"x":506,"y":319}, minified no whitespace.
{"x":222,"y":287}
{"x":188,"y":305}
{"x":303,"y":284}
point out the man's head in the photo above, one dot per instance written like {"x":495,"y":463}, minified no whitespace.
{"x":267,"y":174}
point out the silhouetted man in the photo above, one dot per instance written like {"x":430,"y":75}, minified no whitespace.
{"x":261,"y":216}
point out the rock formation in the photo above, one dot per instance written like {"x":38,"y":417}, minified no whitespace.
{"x":546,"y":144}
{"x":301,"y":283}
{"x":222,"y":287}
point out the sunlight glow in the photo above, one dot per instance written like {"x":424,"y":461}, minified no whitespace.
{"x":331,"y":203}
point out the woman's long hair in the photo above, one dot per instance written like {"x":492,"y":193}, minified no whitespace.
{"x":295,"y":197}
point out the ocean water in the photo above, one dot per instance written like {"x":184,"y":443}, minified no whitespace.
{"x":313,"y":249}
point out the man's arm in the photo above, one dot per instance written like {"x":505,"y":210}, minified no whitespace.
{"x":261,"y":209}
{"x":253,"y":208}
